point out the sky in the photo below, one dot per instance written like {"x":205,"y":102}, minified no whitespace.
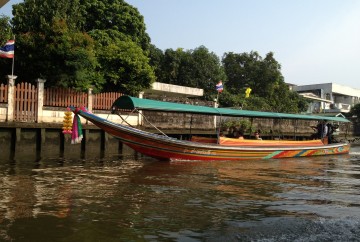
{"x":315,"y":41}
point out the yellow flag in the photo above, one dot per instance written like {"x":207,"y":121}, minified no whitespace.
{"x":247,"y":92}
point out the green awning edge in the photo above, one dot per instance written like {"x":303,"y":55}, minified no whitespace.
{"x":127,"y":102}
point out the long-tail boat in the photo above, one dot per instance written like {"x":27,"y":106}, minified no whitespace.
{"x":163,"y":147}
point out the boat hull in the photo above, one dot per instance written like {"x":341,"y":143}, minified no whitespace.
{"x":166,"y":148}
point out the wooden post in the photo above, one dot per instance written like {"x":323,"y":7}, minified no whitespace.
{"x":11,"y":97}
{"x":40,"y":99}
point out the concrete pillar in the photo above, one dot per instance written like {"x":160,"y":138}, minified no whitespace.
{"x":90,"y":99}
{"x":140,"y":117}
{"x":90,"y":102}
{"x":11,"y":97}
{"x":216,"y":105}
{"x":40,"y":100}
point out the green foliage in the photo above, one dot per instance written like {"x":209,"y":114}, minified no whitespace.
{"x":243,"y":125}
{"x":5,"y":29}
{"x":355,"y":111}
{"x":83,"y":43}
{"x":125,"y":67}
{"x":202,"y":69}
{"x":250,"y":70}
{"x":104,"y":44}
{"x":263,"y":76}
{"x":156,"y":57}
{"x":6,"y":34}
{"x":66,"y":58}
{"x":33,"y":16}
{"x":197,"y":68}
{"x":116,"y":15}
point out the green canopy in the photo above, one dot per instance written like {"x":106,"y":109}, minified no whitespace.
{"x":127,"y":102}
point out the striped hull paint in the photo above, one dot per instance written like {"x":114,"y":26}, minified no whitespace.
{"x":166,"y":148}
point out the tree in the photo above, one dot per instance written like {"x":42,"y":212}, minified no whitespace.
{"x":5,"y":29}
{"x":197,"y":68}
{"x":50,"y":45}
{"x":355,"y":111}
{"x":250,"y":70}
{"x":116,"y":15}
{"x":207,"y":71}
{"x":124,"y":64}
{"x":6,"y":34}
{"x":33,"y":16}
{"x":264,"y":77}
{"x":70,"y":43}
{"x":156,"y":57}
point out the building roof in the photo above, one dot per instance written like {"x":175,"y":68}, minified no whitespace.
{"x":312,"y":96}
{"x":159,"y":88}
{"x":3,"y":2}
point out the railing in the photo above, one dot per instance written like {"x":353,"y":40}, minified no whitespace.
{"x":3,"y":93}
{"x":25,"y":102}
{"x":64,"y":97}
{"x":104,"y":101}
{"x":341,"y":106}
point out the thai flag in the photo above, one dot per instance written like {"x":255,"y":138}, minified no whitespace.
{"x":219,"y":87}
{"x":7,"y":51}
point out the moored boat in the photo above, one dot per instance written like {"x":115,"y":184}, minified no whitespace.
{"x":162,"y":147}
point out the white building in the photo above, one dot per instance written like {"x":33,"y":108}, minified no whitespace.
{"x":329,"y":97}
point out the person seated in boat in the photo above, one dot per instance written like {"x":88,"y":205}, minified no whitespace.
{"x":330,"y":132}
{"x":231,"y":132}
{"x":257,"y":136}
{"x":238,"y":135}
{"x":321,"y":130}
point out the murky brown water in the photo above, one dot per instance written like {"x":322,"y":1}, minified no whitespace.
{"x":124,"y":199}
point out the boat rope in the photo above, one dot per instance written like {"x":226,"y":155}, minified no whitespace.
{"x":150,"y":123}
{"x":124,"y":120}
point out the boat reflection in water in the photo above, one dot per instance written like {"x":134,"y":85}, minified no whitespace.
{"x":124,"y":199}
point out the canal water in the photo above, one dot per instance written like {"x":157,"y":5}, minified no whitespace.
{"x":138,"y":199}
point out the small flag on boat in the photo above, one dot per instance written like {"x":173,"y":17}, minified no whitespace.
{"x":77,"y":134}
{"x":219,"y":87}
{"x":247,"y":92}
{"x":7,"y":51}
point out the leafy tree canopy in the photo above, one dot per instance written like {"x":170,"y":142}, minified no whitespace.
{"x":123,"y":63}
{"x":116,"y":15}
{"x":6,"y":34}
{"x":263,"y":76}
{"x":355,"y":111}
{"x":69,"y":43}
{"x":194,"y":68}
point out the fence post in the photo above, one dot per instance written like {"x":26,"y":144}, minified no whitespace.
{"x":11,"y":97}
{"x":140,"y":118}
{"x":90,"y":99}
{"x":40,"y":99}
{"x":90,"y":102}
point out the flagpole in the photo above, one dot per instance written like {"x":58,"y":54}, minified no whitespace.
{"x":13,"y":61}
